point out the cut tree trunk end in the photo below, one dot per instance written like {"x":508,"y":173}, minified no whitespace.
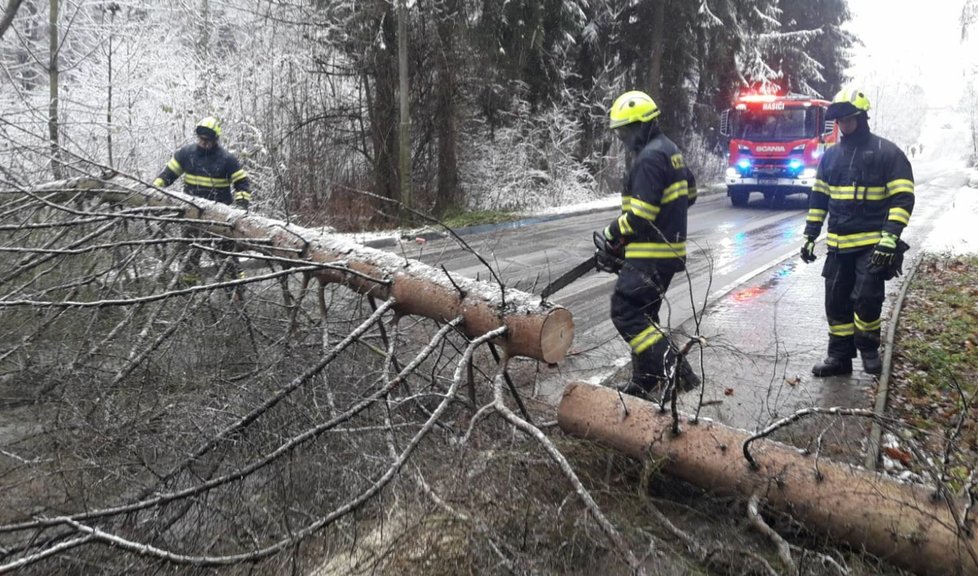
{"x":902,"y":523}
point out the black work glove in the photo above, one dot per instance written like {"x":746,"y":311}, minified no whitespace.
{"x":608,"y":252}
{"x":885,"y":252}
{"x":808,"y":250}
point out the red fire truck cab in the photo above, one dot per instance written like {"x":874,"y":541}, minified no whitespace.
{"x":775,"y":145}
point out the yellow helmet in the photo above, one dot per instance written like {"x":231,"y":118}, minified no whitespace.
{"x":209,"y":127}
{"x":847,"y":102}
{"x":633,"y":106}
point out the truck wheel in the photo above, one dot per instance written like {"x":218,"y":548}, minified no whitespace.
{"x":739,"y":198}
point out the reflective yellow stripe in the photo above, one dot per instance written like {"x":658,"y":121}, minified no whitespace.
{"x":646,"y":339}
{"x":206,"y":181}
{"x":693,"y":194}
{"x":626,"y":203}
{"x":858,"y":193}
{"x":655,"y":250}
{"x":674,"y":192}
{"x":175,"y":166}
{"x":864,"y":326}
{"x":815,"y":215}
{"x":624,"y":226}
{"x":242,"y":195}
{"x":238,"y":176}
{"x":842,"y":329}
{"x":644,"y":209}
{"x":821,"y":187}
{"x":159,"y":183}
{"x":853,"y":240}
{"x":898,"y":186}
{"x":900,"y":215}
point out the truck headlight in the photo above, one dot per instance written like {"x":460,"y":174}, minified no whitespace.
{"x":809,"y":173}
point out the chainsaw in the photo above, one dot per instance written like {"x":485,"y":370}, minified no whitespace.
{"x":602,"y":259}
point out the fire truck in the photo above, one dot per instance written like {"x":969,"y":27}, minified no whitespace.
{"x":775,"y":145}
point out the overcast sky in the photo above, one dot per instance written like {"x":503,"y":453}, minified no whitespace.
{"x":916,"y":39}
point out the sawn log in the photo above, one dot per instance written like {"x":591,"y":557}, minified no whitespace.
{"x":902,"y":523}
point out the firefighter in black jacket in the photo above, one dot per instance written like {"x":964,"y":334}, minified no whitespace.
{"x":865,"y":187}
{"x":209,"y":171}
{"x":650,"y":234}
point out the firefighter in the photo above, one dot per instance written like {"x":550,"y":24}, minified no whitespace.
{"x":209,"y":171}
{"x":865,"y":187}
{"x":650,"y":234}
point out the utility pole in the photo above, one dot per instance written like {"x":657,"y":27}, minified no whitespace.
{"x":405,"y":126}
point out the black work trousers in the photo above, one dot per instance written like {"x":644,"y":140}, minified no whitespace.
{"x":853,"y":302}
{"x":635,"y":306}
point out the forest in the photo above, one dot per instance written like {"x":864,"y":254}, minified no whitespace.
{"x":507,"y":100}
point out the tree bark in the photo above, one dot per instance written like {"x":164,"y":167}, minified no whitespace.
{"x":8,"y":15}
{"x":899,"y":522}
{"x":448,"y":196}
{"x":658,"y":47}
{"x":53,"y":86}
{"x":535,"y":328}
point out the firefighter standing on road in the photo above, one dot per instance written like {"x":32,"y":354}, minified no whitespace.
{"x":651,"y":235}
{"x":865,"y":187}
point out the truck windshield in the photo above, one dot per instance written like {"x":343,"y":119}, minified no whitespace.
{"x":775,"y":125}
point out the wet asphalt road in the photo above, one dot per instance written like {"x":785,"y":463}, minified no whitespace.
{"x":757,"y":304}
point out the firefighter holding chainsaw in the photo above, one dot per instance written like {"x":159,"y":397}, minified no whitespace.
{"x":865,"y":187}
{"x":646,"y":244}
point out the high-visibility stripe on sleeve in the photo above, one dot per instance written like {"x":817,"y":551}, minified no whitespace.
{"x":821,"y":187}
{"x":175,"y":166}
{"x":644,"y":210}
{"x":242,"y":195}
{"x":816,"y":215}
{"x":624,"y":225}
{"x":238,"y":176}
{"x":674,"y":191}
{"x":626,"y":203}
{"x":693,"y":193}
{"x":901,"y":185}
{"x":899,"y":215}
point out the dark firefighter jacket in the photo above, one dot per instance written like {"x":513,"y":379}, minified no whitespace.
{"x":207,"y":174}
{"x":865,"y":187}
{"x":657,"y":192}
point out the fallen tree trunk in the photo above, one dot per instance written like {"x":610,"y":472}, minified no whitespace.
{"x":901,"y":523}
{"x":535,"y":328}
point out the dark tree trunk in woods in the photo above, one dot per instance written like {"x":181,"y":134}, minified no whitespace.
{"x":449,"y":196}
{"x":383,"y":107}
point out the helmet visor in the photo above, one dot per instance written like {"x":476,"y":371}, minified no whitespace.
{"x":206,"y":133}
{"x":839,"y":110}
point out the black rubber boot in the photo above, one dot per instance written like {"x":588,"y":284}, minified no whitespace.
{"x":872,"y":364}
{"x":833,"y":366}
{"x":645,"y":382}
{"x":688,"y":378}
